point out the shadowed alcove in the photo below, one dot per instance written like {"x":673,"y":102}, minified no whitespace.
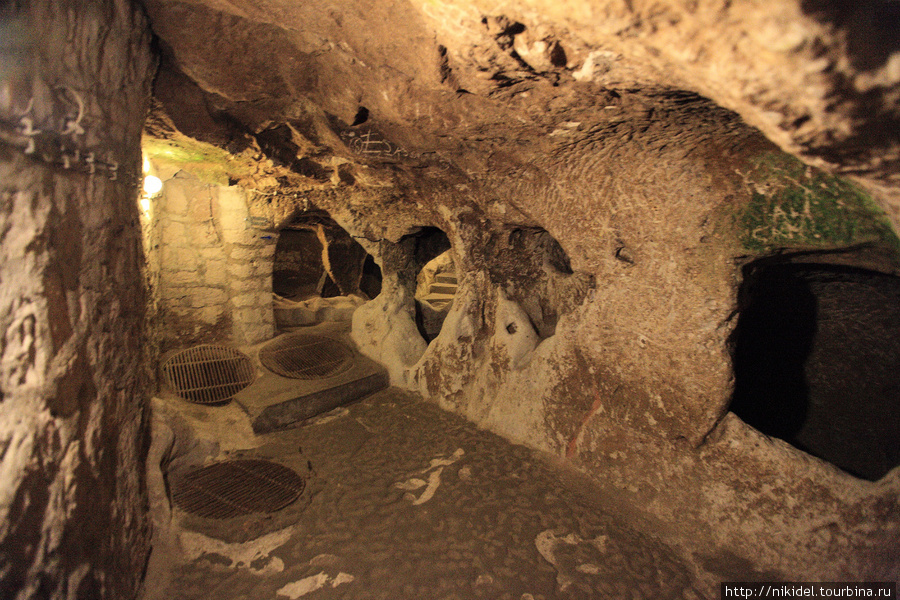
{"x":817,"y":362}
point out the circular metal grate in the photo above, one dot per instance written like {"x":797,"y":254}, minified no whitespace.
{"x":237,"y":487}
{"x":208,"y":374}
{"x":304,"y":356}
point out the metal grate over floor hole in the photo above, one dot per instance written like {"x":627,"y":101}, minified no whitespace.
{"x":237,"y":487}
{"x":304,"y":356}
{"x":208,"y":374}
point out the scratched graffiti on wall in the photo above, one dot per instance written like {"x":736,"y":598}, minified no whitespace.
{"x":56,"y":138}
{"x":371,"y":144}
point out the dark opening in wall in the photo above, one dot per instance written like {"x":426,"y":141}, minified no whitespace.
{"x":362,"y":115}
{"x":816,"y":358}
{"x":436,"y":280}
{"x":314,"y":256}
{"x":298,"y":270}
{"x":370,"y":284}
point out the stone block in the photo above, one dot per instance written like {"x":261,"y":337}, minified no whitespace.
{"x":267,"y":249}
{"x":244,"y":286}
{"x":241,"y":270}
{"x":245,"y":300}
{"x":174,"y":233}
{"x":180,"y":278}
{"x":210,"y":314}
{"x":244,"y":253}
{"x":263,"y":298}
{"x":234,"y":213}
{"x":250,"y":315}
{"x":212,"y":253}
{"x":252,"y":333}
{"x":175,"y":200}
{"x":200,"y":209}
{"x":169,"y":293}
{"x":207,"y":296}
{"x":176,"y":258}
{"x":215,"y":273}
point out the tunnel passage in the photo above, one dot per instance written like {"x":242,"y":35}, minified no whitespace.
{"x":314,"y":256}
{"x":816,"y":358}
{"x":298,"y":270}
{"x":436,"y":281}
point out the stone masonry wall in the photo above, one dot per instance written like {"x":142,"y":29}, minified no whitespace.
{"x":74,"y":89}
{"x":214,"y":268}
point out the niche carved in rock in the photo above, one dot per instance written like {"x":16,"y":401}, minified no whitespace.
{"x":534,"y":272}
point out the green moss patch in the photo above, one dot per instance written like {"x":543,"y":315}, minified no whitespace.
{"x":205,"y":161}
{"x":794,"y":205}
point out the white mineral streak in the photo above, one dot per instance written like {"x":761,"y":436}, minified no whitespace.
{"x":444,"y":462}
{"x":434,"y":480}
{"x":304,"y":586}
{"x":411,"y":484}
{"x":243,"y":555}
{"x":342,"y":578}
{"x":434,"y":477}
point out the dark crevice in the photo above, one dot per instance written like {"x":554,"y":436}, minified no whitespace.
{"x":362,"y":115}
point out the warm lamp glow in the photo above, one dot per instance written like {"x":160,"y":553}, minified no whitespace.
{"x":152,"y":185}
{"x":145,"y":204}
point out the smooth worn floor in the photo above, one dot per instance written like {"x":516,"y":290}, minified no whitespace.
{"x":408,"y":502}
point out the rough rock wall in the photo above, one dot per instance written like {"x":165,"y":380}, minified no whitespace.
{"x":214,"y":268}
{"x":633,"y":384}
{"x":817,"y":77}
{"x":73,"y":425}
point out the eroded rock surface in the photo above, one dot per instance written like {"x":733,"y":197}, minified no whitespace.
{"x":74,"y":90}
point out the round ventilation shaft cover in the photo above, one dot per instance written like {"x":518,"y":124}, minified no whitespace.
{"x":208,"y":374}
{"x":305,"y":356}
{"x":234,"y":488}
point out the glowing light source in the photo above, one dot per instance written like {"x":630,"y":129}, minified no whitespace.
{"x":145,"y":204}
{"x":152,"y":185}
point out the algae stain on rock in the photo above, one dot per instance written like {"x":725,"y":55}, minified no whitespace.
{"x":798,"y":206}
{"x":205,"y":161}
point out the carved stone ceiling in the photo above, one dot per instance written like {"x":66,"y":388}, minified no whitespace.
{"x":430,"y":85}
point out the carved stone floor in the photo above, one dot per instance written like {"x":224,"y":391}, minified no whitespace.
{"x":408,"y":502}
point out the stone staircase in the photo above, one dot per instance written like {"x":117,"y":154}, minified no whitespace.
{"x":443,"y":289}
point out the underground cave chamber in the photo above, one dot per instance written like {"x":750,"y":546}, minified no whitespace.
{"x":253,"y":315}
{"x":816,"y":358}
{"x":542,"y":408}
